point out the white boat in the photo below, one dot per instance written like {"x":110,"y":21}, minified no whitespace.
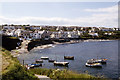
{"x":61,"y":63}
{"x":46,"y":58}
{"x":93,"y":64}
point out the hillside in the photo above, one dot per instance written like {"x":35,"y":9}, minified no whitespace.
{"x":12,"y":70}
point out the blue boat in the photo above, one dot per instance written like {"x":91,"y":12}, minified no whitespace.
{"x":36,"y":64}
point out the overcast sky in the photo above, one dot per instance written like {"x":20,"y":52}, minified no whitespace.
{"x":60,"y":13}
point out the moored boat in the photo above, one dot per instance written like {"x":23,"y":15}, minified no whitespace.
{"x":93,"y":64}
{"x":29,"y":66}
{"x":61,"y":63}
{"x":69,"y":57}
{"x":51,"y":60}
{"x":36,"y":64}
{"x":45,"y":58}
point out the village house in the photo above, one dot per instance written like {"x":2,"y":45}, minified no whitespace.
{"x":8,"y":27}
{"x":40,"y":34}
{"x":65,"y":34}
{"x":36,"y":35}
{"x":10,"y":32}
{"x":93,"y":34}
{"x":58,"y":35}
{"x":116,"y":29}
{"x":35,"y":27}
{"x":26,"y":35}
{"x":73,"y":34}
{"x":55,"y":35}
{"x":18,"y":32}
{"x":105,"y":29}
{"x":18,"y":27}
{"x":80,"y":33}
{"x":109,"y":33}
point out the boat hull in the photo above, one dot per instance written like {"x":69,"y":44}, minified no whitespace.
{"x":69,"y":57}
{"x":94,"y":65}
{"x":45,"y":58}
{"x":37,"y":65}
{"x":61,"y":64}
{"x":51,"y":60}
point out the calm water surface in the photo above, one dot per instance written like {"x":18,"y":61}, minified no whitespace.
{"x":82,"y":52}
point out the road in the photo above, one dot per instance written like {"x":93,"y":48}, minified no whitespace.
{"x":42,"y":77}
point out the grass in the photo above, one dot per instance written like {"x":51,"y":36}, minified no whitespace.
{"x":64,"y":74}
{"x":12,"y":70}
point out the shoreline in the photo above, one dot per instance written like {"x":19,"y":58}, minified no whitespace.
{"x":44,"y":46}
{"x":70,"y":42}
{"x":18,"y":52}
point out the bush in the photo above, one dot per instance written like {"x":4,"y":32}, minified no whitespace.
{"x":62,"y":74}
{"x":17,"y":72}
{"x":14,"y":70}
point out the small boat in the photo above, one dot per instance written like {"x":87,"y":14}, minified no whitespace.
{"x":61,"y":63}
{"x":93,"y":64}
{"x":69,"y":57}
{"x":39,"y":61}
{"x":45,"y":58}
{"x":36,"y":64}
{"x":50,"y":60}
{"x":29,"y":66}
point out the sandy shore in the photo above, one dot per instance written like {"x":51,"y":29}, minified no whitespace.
{"x":44,"y":46}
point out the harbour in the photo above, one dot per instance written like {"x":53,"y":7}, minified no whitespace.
{"x":59,"y":40}
{"x":82,"y":52}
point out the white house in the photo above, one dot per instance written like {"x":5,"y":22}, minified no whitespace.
{"x":18,"y":32}
{"x":93,"y":34}
{"x":65,"y":34}
{"x":10,"y":32}
{"x":55,"y":35}
{"x":39,"y":34}
{"x":73,"y":34}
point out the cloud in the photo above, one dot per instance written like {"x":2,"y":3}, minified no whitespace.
{"x":107,"y":19}
{"x":109,"y":9}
